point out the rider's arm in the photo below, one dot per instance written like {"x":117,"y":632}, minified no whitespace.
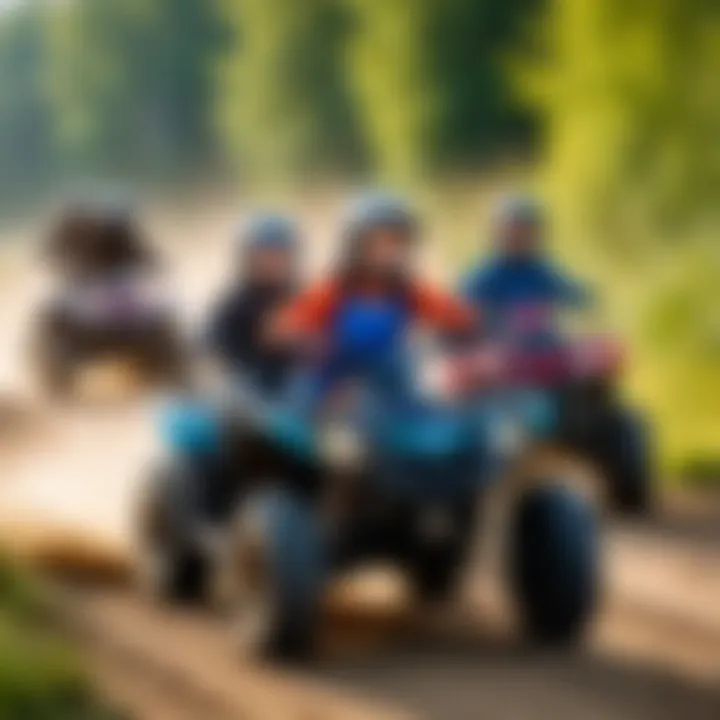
{"x":304,"y":317}
{"x":445,"y":312}
{"x":224,"y":337}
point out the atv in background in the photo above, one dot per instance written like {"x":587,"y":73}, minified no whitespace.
{"x":128,"y":319}
{"x":108,"y":302}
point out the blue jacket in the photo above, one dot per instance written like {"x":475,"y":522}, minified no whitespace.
{"x":504,"y":284}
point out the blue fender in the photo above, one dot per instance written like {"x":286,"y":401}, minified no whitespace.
{"x":190,"y":428}
{"x":292,"y":431}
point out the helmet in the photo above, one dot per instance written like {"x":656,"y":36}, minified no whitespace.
{"x":71,"y":234}
{"x":371,"y":211}
{"x":518,"y":209}
{"x":377,"y":210}
{"x":268,"y":231}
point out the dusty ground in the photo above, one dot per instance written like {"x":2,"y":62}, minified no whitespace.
{"x":70,"y":479}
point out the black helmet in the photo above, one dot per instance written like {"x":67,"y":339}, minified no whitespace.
{"x":71,"y":234}
{"x":91,"y":233}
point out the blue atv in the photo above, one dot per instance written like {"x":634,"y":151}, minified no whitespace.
{"x":401,"y":482}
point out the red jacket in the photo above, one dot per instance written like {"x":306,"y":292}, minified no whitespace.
{"x":312,"y":312}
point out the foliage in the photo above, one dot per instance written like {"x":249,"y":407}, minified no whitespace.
{"x":131,"y":85}
{"x":431,"y":81}
{"x":631,"y":105}
{"x":26,"y":154}
{"x":138,"y":89}
{"x":284,"y":106}
{"x":680,"y":338}
{"x":39,"y":676}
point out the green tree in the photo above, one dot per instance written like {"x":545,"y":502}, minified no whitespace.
{"x":631,"y":107}
{"x":431,"y":80}
{"x":283,"y":102}
{"x":132,"y":84}
{"x":396,"y":83}
{"x":26,"y":157}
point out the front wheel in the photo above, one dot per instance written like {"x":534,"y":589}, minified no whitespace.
{"x":169,"y":568}
{"x":276,"y":564}
{"x":553,"y":563}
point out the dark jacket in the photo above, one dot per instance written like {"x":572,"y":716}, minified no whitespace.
{"x":236,"y":334}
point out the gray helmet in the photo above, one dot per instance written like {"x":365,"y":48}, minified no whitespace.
{"x":374,"y":210}
{"x":518,"y":209}
{"x":268,"y":230}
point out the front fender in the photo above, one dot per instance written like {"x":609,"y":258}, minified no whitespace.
{"x":191,"y":428}
{"x":545,"y":465}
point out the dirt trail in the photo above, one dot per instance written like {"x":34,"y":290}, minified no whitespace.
{"x":70,"y":479}
{"x":464,"y":668}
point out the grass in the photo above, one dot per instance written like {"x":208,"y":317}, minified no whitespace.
{"x":40,"y":676}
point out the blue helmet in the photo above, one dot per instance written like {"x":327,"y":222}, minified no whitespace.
{"x":268,"y":231}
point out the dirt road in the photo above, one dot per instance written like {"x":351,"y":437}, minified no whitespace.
{"x":465,"y":671}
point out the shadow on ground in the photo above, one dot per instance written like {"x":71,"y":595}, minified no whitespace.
{"x":487,"y":679}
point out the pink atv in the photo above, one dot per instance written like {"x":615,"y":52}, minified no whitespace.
{"x":581,"y":378}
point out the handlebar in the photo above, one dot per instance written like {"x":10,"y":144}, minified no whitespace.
{"x":498,"y":365}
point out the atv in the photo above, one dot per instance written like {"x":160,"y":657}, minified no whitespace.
{"x":127,"y":319}
{"x":581,"y":374}
{"x":108,"y":301}
{"x":400,"y":482}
